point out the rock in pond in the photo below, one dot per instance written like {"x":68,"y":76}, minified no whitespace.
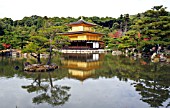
{"x":39,"y":67}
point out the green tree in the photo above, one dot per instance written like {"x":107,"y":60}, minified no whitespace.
{"x":153,"y":25}
{"x":55,"y":41}
{"x":45,"y":41}
{"x":37,"y":46}
{"x":21,"y":36}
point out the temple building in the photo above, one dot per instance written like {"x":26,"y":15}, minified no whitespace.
{"x":83,"y":36}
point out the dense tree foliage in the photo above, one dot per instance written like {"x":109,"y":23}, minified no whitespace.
{"x":149,"y":28}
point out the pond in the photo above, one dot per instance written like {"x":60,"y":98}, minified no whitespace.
{"x":86,"y":81}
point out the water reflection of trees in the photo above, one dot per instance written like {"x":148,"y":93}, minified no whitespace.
{"x":54,"y":95}
{"x":152,"y":79}
{"x":42,"y":84}
{"x":7,"y":66}
{"x":155,"y":88}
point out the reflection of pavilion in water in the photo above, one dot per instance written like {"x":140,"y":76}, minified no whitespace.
{"x":81,"y":66}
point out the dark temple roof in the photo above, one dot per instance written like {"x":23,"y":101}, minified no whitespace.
{"x":81,"y":21}
{"x":80,"y":32}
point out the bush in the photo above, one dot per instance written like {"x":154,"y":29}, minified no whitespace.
{"x":1,"y":47}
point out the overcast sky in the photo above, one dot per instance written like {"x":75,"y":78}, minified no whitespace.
{"x":17,"y":9}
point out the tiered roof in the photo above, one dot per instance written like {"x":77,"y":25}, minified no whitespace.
{"x":81,"y":22}
{"x":81,"y":32}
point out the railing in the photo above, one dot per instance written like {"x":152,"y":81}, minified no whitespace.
{"x":78,"y":48}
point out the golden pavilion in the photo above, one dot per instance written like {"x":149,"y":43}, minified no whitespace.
{"x":83,"y":36}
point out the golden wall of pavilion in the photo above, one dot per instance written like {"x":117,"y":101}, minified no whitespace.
{"x":83,"y":36}
{"x":81,"y":28}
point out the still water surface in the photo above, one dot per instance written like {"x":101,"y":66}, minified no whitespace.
{"x":86,"y":81}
